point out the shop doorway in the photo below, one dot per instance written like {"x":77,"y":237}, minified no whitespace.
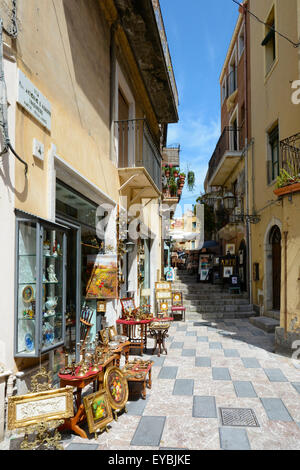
{"x":242,"y":254}
{"x":275,"y":242}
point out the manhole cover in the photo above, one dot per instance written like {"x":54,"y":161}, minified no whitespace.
{"x":238,"y":417}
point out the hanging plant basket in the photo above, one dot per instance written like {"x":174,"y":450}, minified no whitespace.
{"x":191,"y":180}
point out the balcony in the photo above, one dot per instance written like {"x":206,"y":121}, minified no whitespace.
{"x":288,"y":180}
{"x":171,"y":155}
{"x":139,"y":158}
{"x":142,"y":23}
{"x":227,"y":154}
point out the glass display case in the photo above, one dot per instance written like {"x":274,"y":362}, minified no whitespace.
{"x":40,"y":287}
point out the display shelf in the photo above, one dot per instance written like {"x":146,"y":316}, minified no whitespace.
{"x":41,"y":333}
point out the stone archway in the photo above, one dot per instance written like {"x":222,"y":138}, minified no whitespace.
{"x":272,"y":278}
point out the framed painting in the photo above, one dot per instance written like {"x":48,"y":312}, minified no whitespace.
{"x":227,"y":271}
{"x":161,"y":286}
{"x":116,"y":386}
{"x":177,"y":299}
{"x":230,"y":247}
{"x":98,"y":411}
{"x":112,"y":332}
{"x":34,"y":408}
{"x":103,"y":277}
{"x":163,"y":307}
{"x":163,"y":295}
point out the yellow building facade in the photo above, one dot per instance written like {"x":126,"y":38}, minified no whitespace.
{"x":275,"y":240}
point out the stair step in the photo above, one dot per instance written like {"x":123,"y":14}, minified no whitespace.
{"x":275,"y":314}
{"x":265,"y":323}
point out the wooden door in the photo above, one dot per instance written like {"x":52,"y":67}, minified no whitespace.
{"x":276,"y":267}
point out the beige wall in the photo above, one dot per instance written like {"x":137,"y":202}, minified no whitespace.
{"x":61,"y":50}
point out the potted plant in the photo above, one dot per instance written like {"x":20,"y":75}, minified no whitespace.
{"x":191,"y":180}
{"x":173,"y":186}
{"x":182,"y":176}
{"x":167,"y":172}
{"x":287,"y":182}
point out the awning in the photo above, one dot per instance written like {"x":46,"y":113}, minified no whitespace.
{"x":184,"y":236}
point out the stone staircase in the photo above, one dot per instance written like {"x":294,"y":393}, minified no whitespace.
{"x":209,"y":302}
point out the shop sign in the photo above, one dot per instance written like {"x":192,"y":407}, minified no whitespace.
{"x":30,"y":98}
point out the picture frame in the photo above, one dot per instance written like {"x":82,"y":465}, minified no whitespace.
{"x":28,"y":294}
{"x":163,"y":285}
{"x":104,"y":336}
{"x":230,"y":247}
{"x":163,"y":307}
{"x":203,"y":274}
{"x":176,"y":298}
{"x":112,"y":332}
{"x":227,"y":272}
{"x":34,"y":408}
{"x":98,"y":410}
{"x":102,"y":271}
{"x":101,"y":306}
{"x":116,"y":387}
{"x":163,"y":295}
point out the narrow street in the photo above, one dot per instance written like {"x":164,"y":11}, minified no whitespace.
{"x":221,"y":363}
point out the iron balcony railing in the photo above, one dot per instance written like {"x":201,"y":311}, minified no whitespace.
{"x":171,"y":155}
{"x":290,"y":154}
{"x":137,"y":148}
{"x":231,"y":140}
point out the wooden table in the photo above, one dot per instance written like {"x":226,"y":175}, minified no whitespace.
{"x":129,"y":326}
{"x":80,"y":383}
{"x":159,"y":333}
{"x":147,"y":382}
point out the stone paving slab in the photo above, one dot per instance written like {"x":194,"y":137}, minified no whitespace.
{"x":192,"y":381}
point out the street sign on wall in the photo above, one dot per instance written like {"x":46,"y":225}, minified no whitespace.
{"x":30,"y":98}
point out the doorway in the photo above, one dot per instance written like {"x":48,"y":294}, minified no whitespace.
{"x":275,"y":242}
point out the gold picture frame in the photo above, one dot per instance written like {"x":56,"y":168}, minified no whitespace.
{"x":104,"y":336}
{"x":34,"y":408}
{"x":163,"y":285}
{"x":112,"y":332}
{"x":163,"y":294}
{"x":164,"y":307}
{"x":98,"y":411}
{"x":116,"y":386}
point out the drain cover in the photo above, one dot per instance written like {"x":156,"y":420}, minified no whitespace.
{"x":238,"y":417}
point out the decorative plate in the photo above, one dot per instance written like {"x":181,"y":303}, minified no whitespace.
{"x":116,"y":386}
{"x":29,"y":343}
{"x":28,"y":294}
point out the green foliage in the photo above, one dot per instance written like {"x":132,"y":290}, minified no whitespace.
{"x":191,"y":180}
{"x":286,"y":178}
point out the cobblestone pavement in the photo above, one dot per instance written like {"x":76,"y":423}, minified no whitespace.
{"x":209,"y":366}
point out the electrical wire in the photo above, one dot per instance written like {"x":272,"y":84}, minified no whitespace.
{"x":295,"y":44}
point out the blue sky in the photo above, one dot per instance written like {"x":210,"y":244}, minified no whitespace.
{"x":199,"y":33}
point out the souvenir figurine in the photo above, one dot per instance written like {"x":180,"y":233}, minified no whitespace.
{"x":51,"y":274}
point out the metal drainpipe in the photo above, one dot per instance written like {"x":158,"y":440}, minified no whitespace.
{"x":285,"y":284}
{"x":112,"y":87}
{"x":3,"y":106}
{"x":248,"y":226}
